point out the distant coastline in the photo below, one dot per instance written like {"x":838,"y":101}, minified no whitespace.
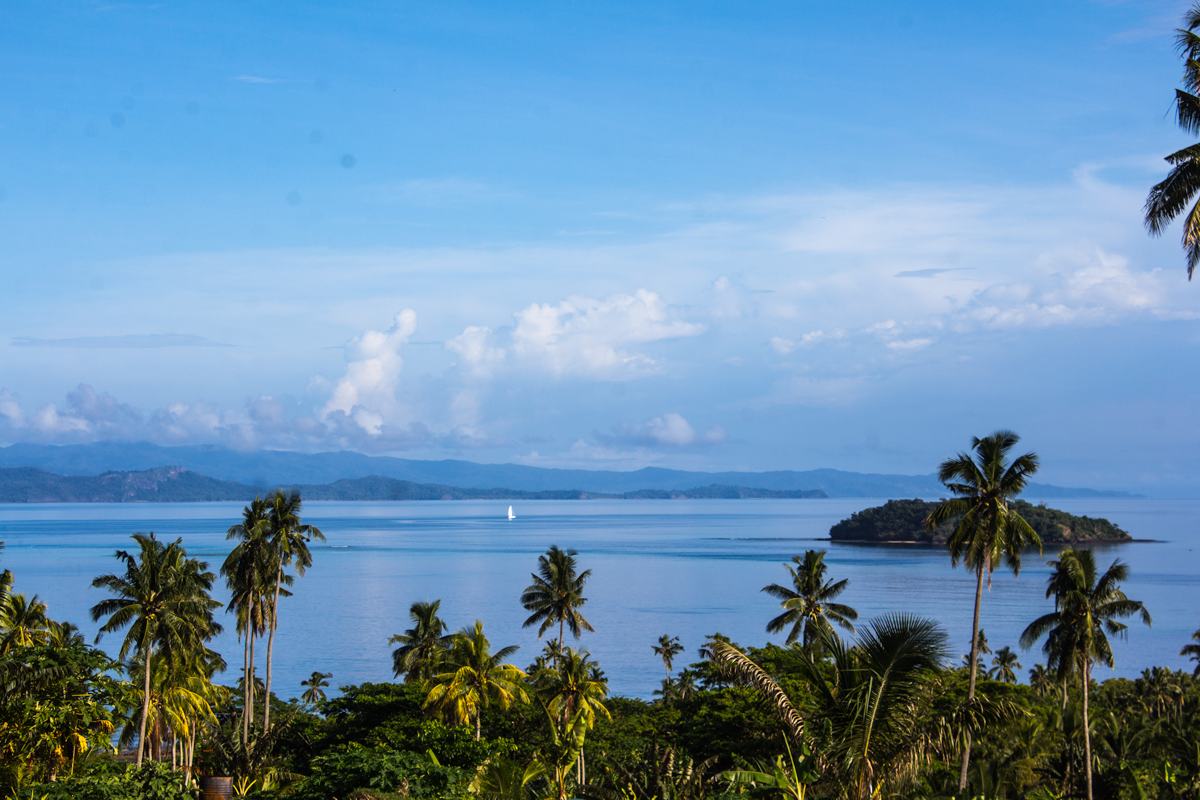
{"x":178,"y":485}
{"x":263,"y":468}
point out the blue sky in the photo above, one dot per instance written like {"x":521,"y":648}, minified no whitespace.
{"x":701,"y":235}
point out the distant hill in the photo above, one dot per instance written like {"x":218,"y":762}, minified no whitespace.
{"x":274,"y":468}
{"x":178,"y":485}
{"x":904,"y":521}
{"x":160,"y":485}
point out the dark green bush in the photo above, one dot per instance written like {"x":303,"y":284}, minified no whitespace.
{"x":111,"y":781}
{"x":408,"y":774}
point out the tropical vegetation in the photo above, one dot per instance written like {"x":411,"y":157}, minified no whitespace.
{"x":1171,"y":197}
{"x":840,"y":707}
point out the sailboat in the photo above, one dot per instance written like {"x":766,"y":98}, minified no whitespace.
{"x":510,"y":514}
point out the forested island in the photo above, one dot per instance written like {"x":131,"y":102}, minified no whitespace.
{"x":903,"y":521}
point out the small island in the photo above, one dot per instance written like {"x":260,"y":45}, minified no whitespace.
{"x":903,"y":522}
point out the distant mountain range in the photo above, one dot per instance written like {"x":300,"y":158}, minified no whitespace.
{"x":178,"y":485}
{"x":282,"y":468}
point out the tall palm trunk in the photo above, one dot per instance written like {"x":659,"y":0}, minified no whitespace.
{"x":966,"y":754}
{"x":246,"y":677}
{"x":189,"y":750}
{"x":477,"y":724}
{"x":250,"y":683}
{"x":271,"y":646}
{"x":145,"y":708}
{"x":1087,"y":733}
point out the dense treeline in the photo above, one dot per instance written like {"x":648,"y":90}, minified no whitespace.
{"x":846,"y":708}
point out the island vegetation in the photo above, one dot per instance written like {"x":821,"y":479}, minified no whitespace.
{"x":903,"y":521}
{"x":846,"y":707}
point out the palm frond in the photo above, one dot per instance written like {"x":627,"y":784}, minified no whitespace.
{"x":740,"y":667}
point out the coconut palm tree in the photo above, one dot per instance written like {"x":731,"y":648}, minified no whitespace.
{"x":570,"y":692}
{"x":163,"y":600}
{"x":1006,"y":665}
{"x":685,"y":685}
{"x":181,"y":697}
{"x":63,"y":634}
{"x":248,"y":571}
{"x":808,"y":604}
{"x":875,"y":697}
{"x":23,"y":622}
{"x":989,"y":528}
{"x":556,"y":595}
{"x":1193,"y":650}
{"x":1169,"y":198}
{"x":315,"y":692}
{"x":421,"y":646}
{"x":1040,"y":680}
{"x":289,"y":540}
{"x":982,"y":650}
{"x":667,"y":648}
{"x":475,"y":677}
{"x":1086,"y":609}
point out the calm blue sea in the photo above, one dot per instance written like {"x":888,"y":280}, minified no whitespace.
{"x":685,"y":568}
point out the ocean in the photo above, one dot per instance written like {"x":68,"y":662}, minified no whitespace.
{"x":685,"y":568}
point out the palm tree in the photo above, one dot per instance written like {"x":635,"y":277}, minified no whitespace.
{"x":422,"y":645}
{"x":1006,"y":665}
{"x":1040,"y":680}
{"x":667,"y":648}
{"x":982,"y":650}
{"x":502,"y":778}
{"x":569,"y":691}
{"x":1086,"y":609}
{"x":289,"y":540}
{"x":1193,"y":650}
{"x":988,"y":527}
{"x":475,"y":678}
{"x":556,"y":595}
{"x":248,"y":571}
{"x":875,"y":697}
{"x":685,"y":685}
{"x":316,"y":687}
{"x":808,"y":605}
{"x":163,"y":599}
{"x":1168,"y":199}
{"x":63,"y":634}
{"x":181,"y":696}
{"x":23,"y":622}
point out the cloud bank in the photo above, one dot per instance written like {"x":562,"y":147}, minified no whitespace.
{"x":709,"y":338}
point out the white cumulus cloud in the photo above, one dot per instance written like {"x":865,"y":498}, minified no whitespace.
{"x":366,"y":392}
{"x":474,"y":348}
{"x":593,"y":338}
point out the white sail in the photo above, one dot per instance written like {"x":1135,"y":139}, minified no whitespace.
{"x":510,"y":514}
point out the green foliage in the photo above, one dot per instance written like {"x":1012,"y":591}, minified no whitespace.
{"x":55,"y":708}
{"x":904,"y":521}
{"x":386,"y":716}
{"x":1171,"y":197}
{"x":403,"y":773}
{"x":110,"y":781}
